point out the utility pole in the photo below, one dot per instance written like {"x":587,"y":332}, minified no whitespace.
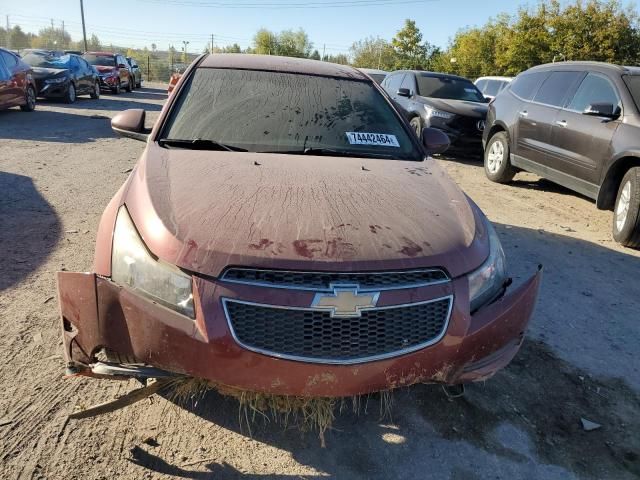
{"x":62,"y":40}
{"x":8,"y":34}
{"x":379,"y":57}
{"x":185,"y":43}
{"x":84,"y":32}
{"x":211,"y":51}
{"x":324,"y":45}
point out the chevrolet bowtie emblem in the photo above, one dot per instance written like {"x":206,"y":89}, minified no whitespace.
{"x":345,"y":301}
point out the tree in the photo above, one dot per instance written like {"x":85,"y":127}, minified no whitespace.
{"x":374,"y":52}
{"x":340,"y":58}
{"x":265,"y":42}
{"x":294,"y":43}
{"x":410,"y":51}
{"x":93,"y":44}
{"x":315,"y":55}
{"x":19,"y":39}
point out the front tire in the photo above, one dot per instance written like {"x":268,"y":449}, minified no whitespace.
{"x":30,"y":100}
{"x":129,"y":85}
{"x":116,"y":89}
{"x":497,"y":163}
{"x":95,"y":94}
{"x":416,"y":125}
{"x":626,"y":213}
{"x":70,"y":96}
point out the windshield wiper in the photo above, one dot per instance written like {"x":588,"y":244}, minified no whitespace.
{"x":329,"y":152}
{"x":198,"y":144}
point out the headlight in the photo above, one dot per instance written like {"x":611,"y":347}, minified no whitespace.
{"x":133,"y":266}
{"x":432,"y":112}
{"x":488,"y":281}
{"x":56,"y":80}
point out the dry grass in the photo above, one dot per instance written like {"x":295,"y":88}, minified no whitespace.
{"x":306,"y":413}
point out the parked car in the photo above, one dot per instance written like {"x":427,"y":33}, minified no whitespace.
{"x":449,"y":103}
{"x":75,"y":52}
{"x":17,"y":86}
{"x":576,"y":124}
{"x":135,"y":70}
{"x":64,"y":77}
{"x":350,"y":254}
{"x":492,"y":86}
{"x":376,"y":74}
{"x":113,"y":70}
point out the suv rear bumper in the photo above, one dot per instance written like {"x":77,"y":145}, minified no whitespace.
{"x":96,"y":314}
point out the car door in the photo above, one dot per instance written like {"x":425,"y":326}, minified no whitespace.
{"x":16,"y":81}
{"x":77,"y":76}
{"x":4,"y":85}
{"x":536,"y":118}
{"x":88,"y":73}
{"x":409,"y":103}
{"x":582,"y":143}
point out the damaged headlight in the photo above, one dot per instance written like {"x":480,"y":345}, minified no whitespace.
{"x":488,"y":282}
{"x":133,"y":266}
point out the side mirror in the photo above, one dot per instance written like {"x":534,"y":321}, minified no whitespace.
{"x":434,"y":141}
{"x":130,"y":123}
{"x":404,"y":92}
{"x":122,"y":65}
{"x":606,"y":110}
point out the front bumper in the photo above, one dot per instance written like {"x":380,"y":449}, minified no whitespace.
{"x":463,"y":133}
{"x":108,"y":83}
{"x":52,"y":90}
{"x":96,"y":314}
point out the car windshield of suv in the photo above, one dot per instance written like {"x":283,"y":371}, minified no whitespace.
{"x":279,"y":112}
{"x":46,"y":60}
{"x":448,"y":88}
{"x":633,"y":84}
{"x":101,"y":60}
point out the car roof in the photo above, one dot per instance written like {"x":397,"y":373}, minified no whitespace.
{"x":596,"y":66}
{"x":273,"y":63}
{"x":427,"y":73}
{"x":373,"y":70}
{"x":102,"y":53}
{"x":505,"y":79}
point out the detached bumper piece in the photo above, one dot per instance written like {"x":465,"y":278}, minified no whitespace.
{"x":98,"y":315}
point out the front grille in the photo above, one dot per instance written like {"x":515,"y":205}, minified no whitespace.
{"x":466,"y":125}
{"x":314,"y":336}
{"x":323,"y":281}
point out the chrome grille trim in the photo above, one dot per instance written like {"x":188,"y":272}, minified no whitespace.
{"x":323,"y":281}
{"x":333,"y":361}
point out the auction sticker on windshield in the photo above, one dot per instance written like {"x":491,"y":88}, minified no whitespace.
{"x":378,"y":139}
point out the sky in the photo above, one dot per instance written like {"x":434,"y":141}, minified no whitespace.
{"x":332,"y":25}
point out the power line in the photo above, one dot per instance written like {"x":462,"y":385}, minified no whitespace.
{"x":281,"y":5}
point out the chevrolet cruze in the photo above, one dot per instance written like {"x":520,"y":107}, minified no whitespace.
{"x":286,"y":232}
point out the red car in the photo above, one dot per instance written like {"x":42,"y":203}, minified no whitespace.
{"x":286,"y":232}
{"x":113,"y":70}
{"x":17,"y":86}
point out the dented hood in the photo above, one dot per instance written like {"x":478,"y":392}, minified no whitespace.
{"x":204,"y":211}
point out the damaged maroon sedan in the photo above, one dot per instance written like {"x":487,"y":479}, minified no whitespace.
{"x":285,"y":232}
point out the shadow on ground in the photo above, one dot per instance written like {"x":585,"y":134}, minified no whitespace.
{"x":109,"y":102}
{"x":29,"y":229}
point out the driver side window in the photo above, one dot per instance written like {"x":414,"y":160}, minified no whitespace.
{"x":594,"y":89}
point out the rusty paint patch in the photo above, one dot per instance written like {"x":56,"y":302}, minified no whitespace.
{"x":411,"y":248}
{"x":307,"y":248}
{"x":263,"y":244}
{"x":325,"y":378}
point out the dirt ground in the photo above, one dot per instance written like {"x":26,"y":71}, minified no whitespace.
{"x":60,"y":165}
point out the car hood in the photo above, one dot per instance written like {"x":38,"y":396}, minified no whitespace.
{"x":103,"y":69}
{"x":41,"y":72}
{"x":204,"y":211}
{"x":460,"y":107}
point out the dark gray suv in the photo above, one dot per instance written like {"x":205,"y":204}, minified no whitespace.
{"x":576,"y":124}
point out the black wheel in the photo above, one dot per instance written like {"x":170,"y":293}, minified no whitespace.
{"x":95,"y":93}
{"x":30,"y":100}
{"x":497,"y":164}
{"x":139,"y":84}
{"x":70,"y":96}
{"x":129,"y":85}
{"x":117,"y":88}
{"x":626,"y":214}
{"x":416,"y":124}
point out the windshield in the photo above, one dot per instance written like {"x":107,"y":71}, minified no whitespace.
{"x":282,"y":112}
{"x":633,"y":84}
{"x":46,"y":60}
{"x":448,"y":88}
{"x":102,"y":60}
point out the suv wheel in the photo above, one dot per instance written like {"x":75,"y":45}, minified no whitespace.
{"x":95,"y":94}
{"x":626,"y":214}
{"x":30,"y":100}
{"x":416,"y":124}
{"x":70,"y":96}
{"x":129,"y":85}
{"x":497,"y":165}
{"x":116,"y":89}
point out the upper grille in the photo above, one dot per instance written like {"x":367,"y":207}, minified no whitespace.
{"x":467,"y":125}
{"x":314,"y":336}
{"x":322,"y":281}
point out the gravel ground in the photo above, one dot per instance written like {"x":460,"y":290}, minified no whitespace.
{"x":60,"y":165}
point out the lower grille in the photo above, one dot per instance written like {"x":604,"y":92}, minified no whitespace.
{"x":315,"y":336}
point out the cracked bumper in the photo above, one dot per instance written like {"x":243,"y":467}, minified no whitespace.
{"x":96,"y":314}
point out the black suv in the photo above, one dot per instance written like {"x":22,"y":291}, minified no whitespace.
{"x":449,"y":103}
{"x":576,"y":124}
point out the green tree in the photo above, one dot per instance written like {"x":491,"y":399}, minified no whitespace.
{"x":294,"y":43}
{"x":374,"y":52}
{"x":340,"y":58}
{"x":93,"y":43}
{"x":315,"y":55}
{"x":407,"y":43}
{"x":19,"y":39}
{"x":265,"y":42}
